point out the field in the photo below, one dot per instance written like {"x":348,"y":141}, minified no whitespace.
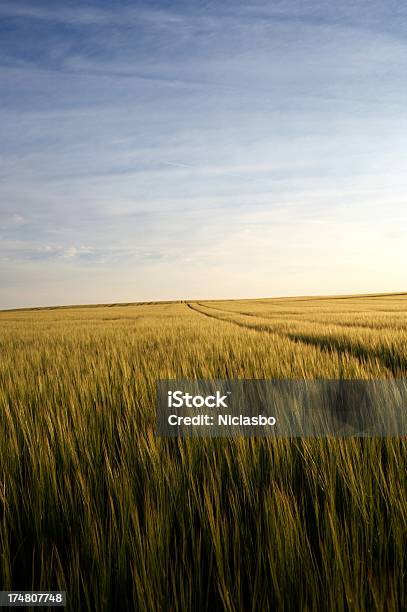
{"x":92,"y":502}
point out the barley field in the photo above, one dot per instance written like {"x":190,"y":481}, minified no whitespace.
{"x":94,"y":503}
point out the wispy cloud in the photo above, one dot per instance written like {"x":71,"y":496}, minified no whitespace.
{"x":90,"y":14}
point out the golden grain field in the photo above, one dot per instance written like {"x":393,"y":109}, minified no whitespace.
{"x":92,"y":502}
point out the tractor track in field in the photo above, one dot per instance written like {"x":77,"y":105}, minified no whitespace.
{"x":312,"y":321}
{"x":394,"y":364}
{"x":265,"y":328}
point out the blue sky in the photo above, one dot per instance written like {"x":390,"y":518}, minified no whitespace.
{"x":169,"y":150}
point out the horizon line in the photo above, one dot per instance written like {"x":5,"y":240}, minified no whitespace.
{"x":186,"y":301}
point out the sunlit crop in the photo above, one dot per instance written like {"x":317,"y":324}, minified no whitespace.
{"x":92,"y":502}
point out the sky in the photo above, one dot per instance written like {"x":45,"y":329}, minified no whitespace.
{"x":186,"y":150}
